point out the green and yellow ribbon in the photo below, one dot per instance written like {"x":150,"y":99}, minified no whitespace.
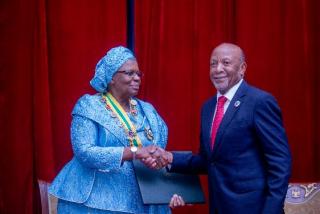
{"x":125,"y":121}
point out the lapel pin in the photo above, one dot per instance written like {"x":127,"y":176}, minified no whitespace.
{"x":237,"y":103}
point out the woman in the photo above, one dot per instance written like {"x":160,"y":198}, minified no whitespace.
{"x":108,"y":130}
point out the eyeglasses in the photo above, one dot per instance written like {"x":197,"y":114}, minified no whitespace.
{"x":131,"y":73}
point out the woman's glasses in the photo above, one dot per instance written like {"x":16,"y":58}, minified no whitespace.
{"x":131,"y":73}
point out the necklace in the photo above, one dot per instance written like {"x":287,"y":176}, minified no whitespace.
{"x":132,"y":105}
{"x":111,"y":104}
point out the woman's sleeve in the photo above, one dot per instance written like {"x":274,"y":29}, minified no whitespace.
{"x":84,"y":139}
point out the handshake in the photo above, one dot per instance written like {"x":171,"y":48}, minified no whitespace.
{"x":154,"y":157}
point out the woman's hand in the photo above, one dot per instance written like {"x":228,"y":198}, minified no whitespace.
{"x":145,"y":155}
{"x":158,"y":157}
{"x":146,"y":152}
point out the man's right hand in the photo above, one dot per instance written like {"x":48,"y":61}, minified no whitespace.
{"x":163,"y":157}
{"x":176,"y":201}
{"x":158,"y":158}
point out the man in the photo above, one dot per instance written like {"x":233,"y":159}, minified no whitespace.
{"x":243,"y":144}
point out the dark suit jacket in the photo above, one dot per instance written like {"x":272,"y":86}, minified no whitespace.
{"x":249,"y":167}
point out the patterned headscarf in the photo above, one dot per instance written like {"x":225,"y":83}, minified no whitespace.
{"x":108,"y":66}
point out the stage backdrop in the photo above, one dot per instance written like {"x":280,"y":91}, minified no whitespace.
{"x":174,"y":40}
{"x":49,"y":49}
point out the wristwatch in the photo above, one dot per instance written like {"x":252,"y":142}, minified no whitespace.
{"x":133,"y":149}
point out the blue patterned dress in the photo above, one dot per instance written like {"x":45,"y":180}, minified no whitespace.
{"x":95,"y":180}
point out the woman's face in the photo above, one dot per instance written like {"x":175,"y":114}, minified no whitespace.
{"x":126,"y":81}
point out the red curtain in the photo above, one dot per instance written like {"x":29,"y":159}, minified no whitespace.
{"x":174,"y":40}
{"x":49,"y":50}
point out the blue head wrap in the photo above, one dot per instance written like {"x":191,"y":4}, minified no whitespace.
{"x":108,"y":66}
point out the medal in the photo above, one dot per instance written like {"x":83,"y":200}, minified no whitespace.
{"x":132,"y":134}
{"x":148,"y":133}
{"x":133,"y":102}
{"x":133,"y":107}
{"x":113,"y":115}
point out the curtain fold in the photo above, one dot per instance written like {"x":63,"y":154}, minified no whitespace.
{"x":174,"y":40}
{"x":49,"y":52}
{"x":173,"y":44}
{"x":41,"y":106}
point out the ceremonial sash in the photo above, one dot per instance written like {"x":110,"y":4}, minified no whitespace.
{"x":125,"y":121}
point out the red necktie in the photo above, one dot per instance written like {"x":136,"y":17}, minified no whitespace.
{"x":217,"y":118}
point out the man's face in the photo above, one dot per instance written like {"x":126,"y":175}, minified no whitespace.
{"x":226,"y":67}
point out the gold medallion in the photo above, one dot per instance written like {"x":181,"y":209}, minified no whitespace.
{"x":133,"y":107}
{"x":133,"y":102}
{"x":148,"y":133}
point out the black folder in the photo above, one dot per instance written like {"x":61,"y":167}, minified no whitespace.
{"x":158,"y":186}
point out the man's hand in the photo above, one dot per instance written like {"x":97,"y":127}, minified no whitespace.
{"x":158,"y":159}
{"x":176,"y":201}
{"x":145,"y":152}
{"x":163,"y":157}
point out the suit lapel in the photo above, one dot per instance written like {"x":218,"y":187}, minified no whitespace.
{"x":235,"y":104}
